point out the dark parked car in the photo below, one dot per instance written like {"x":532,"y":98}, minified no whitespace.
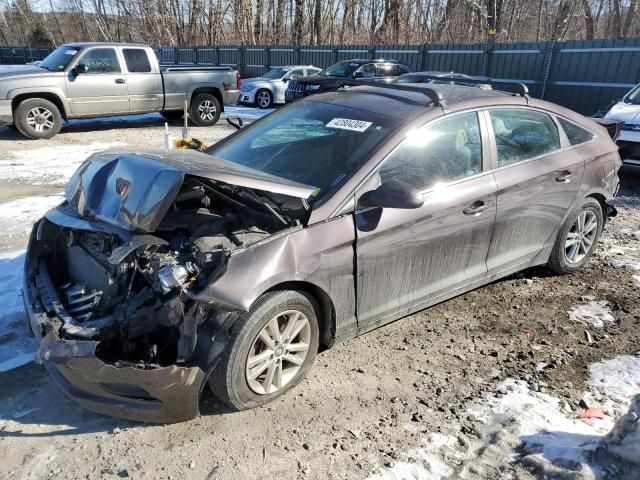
{"x":337,"y":214}
{"x":450,"y":78}
{"x":333,"y":77}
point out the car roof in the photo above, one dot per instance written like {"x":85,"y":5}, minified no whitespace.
{"x":408,"y":104}
{"x":102,"y":44}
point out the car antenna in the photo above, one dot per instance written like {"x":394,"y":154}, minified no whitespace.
{"x":435,"y":96}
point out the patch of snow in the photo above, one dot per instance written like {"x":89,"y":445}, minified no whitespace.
{"x":17,"y":348}
{"x":246,"y":113}
{"x":17,"y":217}
{"x":538,"y":431}
{"x":595,"y":313}
{"x":47,"y":165}
{"x":37,"y":466}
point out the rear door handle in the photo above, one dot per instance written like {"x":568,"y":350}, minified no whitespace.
{"x":564,"y":177}
{"x":476,"y":207}
{"x":119,"y":80}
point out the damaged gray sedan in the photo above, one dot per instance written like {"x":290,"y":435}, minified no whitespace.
{"x":163,"y":272}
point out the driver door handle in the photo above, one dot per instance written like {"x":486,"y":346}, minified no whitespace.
{"x":564,"y":177}
{"x":119,"y":80}
{"x":477,"y":207}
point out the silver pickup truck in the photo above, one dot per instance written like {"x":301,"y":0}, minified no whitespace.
{"x":85,"y":80}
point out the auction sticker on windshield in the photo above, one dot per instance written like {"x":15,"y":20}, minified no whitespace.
{"x":348,"y":124}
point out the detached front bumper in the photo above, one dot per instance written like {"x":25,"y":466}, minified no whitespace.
{"x":6,"y":112}
{"x":148,"y":393}
{"x":159,"y":395}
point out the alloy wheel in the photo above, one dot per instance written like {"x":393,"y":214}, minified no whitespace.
{"x":264,"y":99}
{"x":40,"y":119}
{"x":278,"y":352}
{"x":581,"y":237}
{"x":207,"y":110}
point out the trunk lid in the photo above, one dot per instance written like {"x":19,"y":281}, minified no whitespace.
{"x":134,"y":190}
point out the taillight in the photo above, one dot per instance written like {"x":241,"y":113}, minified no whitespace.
{"x":238,"y":80}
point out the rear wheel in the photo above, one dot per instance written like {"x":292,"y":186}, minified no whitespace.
{"x":204,"y":110}
{"x":173,"y":115}
{"x":270,"y":350}
{"x":577,"y":238}
{"x":38,"y":118}
{"x":264,"y":98}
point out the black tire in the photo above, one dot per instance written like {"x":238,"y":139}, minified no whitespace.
{"x":172,"y":115}
{"x":204,"y":110}
{"x":37,"y":113}
{"x":229,"y":381}
{"x":559,"y":261}
{"x":268,"y":98}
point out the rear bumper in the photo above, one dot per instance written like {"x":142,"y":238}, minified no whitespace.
{"x":6,"y":112}
{"x":230,"y":96}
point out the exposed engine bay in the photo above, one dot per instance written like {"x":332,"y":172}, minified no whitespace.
{"x":133,"y":292}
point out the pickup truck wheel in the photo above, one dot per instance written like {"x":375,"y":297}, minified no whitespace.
{"x":38,"y":118}
{"x":264,"y":99}
{"x":172,"y":115}
{"x":204,"y":110}
{"x":270,"y":349}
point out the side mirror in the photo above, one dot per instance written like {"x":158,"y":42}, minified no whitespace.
{"x":80,"y":68}
{"x":358,"y":75}
{"x":285,"y":80}
{"x":235,"y":122}
{"x":392,"y":194}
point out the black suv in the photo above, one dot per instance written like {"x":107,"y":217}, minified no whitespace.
{"x":329,"y":79}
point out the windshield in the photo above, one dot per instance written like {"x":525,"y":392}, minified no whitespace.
{"x":58,"y":60}
{"x":276,"y":73}
{"x":340,"y":69}
{"x":633,"y":97}
{"x":309,"y":142}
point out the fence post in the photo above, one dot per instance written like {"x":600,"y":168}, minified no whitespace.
{"x":547,"y":68}
{"x":241,"y":66}
{"x":371,"y":52}
{"x":268,"y":55}
{"x":176,"y":55}
{"x":335,"y":54}
{"x":195,"y":55}
{"x":216,"y":57}
{"x":488,"y":56}
{"x":423,"y":57}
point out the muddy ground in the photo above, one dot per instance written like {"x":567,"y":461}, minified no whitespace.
{"x":365,"y":402}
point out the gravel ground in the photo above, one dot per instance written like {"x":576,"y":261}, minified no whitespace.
{"x":366,"y":403}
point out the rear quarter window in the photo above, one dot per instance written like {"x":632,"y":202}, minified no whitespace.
{"x":136,"y":60}
{"x":575,"y":134}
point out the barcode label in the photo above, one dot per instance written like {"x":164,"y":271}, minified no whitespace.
{"x":348,"y":124}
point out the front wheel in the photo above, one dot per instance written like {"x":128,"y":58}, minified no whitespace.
{"x":578,"y":237}
{"x":264,"y":98}
{"x":204,"y":110}
{"x":270,"y":350}
{"x":38,"y":118}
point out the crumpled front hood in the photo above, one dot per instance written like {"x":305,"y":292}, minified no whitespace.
{"x":134,"y":190}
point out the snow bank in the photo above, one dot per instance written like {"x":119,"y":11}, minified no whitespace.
{"x":16,"y":346}
{"x":539,"y":431}
{"x":17,"y":217}
{"x":47,"y":165}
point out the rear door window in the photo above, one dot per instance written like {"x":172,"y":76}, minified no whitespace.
{"x":523,"y":133}
{"x":367,"y":71}
{"x":575,"y":134}
{"x":137,"y":60}
{"x":101,"y":60}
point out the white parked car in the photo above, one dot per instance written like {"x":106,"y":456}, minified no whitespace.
{"x":269,"y":89}
{"x":627,"y":110}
